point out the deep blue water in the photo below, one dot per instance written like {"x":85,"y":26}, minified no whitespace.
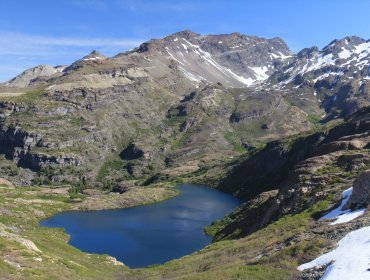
{"x":149,"y":234}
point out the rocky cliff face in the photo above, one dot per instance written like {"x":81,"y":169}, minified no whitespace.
{"x":290,"y":176}
{"x":17,"y":145}
{"x":361,"y":191}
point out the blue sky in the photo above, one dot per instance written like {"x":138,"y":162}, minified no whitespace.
{"x":55,"y":32}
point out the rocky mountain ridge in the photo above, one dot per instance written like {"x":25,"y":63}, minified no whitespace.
{"x":187,"y":99}
{"x":338,"y":74}
{"x":234,"y":59}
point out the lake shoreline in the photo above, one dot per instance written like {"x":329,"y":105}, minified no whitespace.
{"x":150,"y":233}
{"x":136,"y":197}
{"x":54,"y":254}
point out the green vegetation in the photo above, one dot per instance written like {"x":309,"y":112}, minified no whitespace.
{"x":216,"y":226}
{"x":78,"y":121}
{"x":108,"y":167}
{"x":330,"y":169}
{"x":233,"y":140}
{"x":30,"y":96}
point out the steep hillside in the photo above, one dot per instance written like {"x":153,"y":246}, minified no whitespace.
{"x":290,"y":176}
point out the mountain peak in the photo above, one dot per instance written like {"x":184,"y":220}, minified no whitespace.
{"x":187,"y":34}
{"x":26,"y":77}
{"x":308,"y":52}
{"x":94,"y":55}
{"x":347,"y":42}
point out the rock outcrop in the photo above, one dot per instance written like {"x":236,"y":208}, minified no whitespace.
{"x":17,"y":145}
{"x":303,"y":172}
{"x":361,"y":191}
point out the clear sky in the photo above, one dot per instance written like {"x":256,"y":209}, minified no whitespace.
{"x":55,"y":32}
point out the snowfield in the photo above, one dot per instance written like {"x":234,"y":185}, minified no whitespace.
{"x":351,"y":259}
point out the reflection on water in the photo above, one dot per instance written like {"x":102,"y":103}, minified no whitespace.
{"x":149,"y":234}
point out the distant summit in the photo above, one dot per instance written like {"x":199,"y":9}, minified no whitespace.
{"x":28,"y":76}
{"x":235,"y":59}
{"x":94,"y":55}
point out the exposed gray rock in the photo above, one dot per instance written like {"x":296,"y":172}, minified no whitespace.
{"x":361,"y":191}
{"x":25,"y":78}
{"x":7,"y":108}
{"x":121,"y":187}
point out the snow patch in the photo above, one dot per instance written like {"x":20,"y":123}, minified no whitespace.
{"x":322,"y":61}
{"x":344,"y":54}
{"x":351,"y":258}
{"x":237,"y":46}
{"x":260,"y":72}
{"x":208,"y":59}
{"x":246,"y":81}
{"x":49,"y":87}
{"x":283,"y":56}
{"x":92,"y":58}
{"x":174,"y":58}
{"x":190,"y":76}
{"x":343,"y":216}
{"x":363,"y":48}
{"x":280,"y":56}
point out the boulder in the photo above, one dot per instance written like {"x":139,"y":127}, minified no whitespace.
{"x":132,"y":152}
{"x":361,"y":191}
{"x":121,"y":187}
